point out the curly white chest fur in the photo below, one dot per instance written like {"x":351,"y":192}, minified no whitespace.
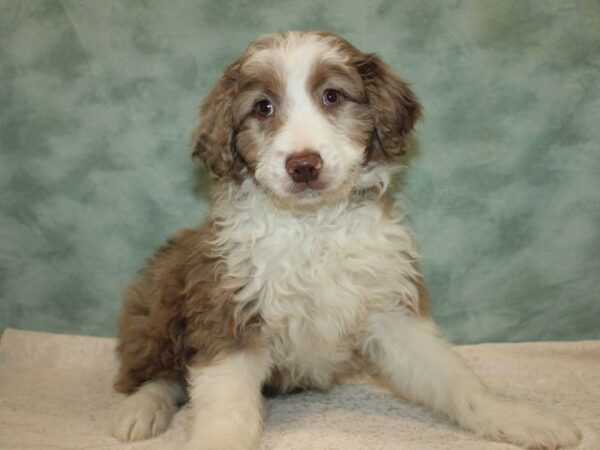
{"x":315,"y":277}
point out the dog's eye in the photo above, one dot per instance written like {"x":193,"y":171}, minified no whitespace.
{"x":265,"y":108}
{"x":331,"y":97}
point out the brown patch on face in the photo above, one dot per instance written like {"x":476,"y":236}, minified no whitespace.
{"x":178,"y":310}
{"x":395,"y":108}
{"x":351,"y":115}
{"x":258,"y":82}
{"x":338,"y":76}
{"x":253,"y":135}
{"x":224,"y":138}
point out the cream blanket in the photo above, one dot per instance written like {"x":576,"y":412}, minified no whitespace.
{"x":55,"y":393}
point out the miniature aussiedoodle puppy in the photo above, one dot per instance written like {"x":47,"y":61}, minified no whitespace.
{"x":302,"y":272}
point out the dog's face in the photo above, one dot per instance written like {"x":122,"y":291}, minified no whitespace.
{"x":307,"y":115}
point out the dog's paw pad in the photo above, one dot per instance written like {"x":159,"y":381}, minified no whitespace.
{"x":528,"y":426}
{"x":142,"y":417}
{"x":544,"y":431}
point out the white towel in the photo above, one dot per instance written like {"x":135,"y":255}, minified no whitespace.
{"x":56,"y":393}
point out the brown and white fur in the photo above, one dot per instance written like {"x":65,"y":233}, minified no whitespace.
{"x":302,"y":272}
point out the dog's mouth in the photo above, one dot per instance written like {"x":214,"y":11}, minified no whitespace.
{"x":308,"y":186}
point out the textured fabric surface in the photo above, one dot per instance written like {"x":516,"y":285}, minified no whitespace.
{"x":55,"y":392}
{"x":98,"y":99}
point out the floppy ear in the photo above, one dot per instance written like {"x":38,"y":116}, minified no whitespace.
{"x":213,"y":139}
{"x":395,"y":107}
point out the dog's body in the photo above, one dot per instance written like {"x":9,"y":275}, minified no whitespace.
{"x":303,"y":272}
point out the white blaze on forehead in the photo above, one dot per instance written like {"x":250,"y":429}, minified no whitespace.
{"x":295,"y":59}
{"x":305,"y":126}
{"x":299,"y":63}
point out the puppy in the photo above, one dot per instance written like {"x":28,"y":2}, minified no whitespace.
{"x":302,"y":272}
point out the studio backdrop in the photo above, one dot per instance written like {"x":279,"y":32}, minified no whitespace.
{"x":502,"y":185}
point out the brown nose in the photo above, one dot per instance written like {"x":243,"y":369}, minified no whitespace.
{"x":304,"y":167}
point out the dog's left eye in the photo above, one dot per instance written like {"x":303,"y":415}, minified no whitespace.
{"x":265,"y":108}
{"x":331,"y":97}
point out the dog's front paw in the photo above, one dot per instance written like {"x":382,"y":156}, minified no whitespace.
{"x":521,"y":424}
{"x":142,"y":416}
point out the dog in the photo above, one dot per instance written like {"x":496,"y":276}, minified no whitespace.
{"x":303,"y":272}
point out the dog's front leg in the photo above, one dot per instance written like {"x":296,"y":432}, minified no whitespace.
{"x":408,"y":354}
{"x":226,"y":401}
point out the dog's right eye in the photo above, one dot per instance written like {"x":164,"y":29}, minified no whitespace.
{"x":265,"y":108}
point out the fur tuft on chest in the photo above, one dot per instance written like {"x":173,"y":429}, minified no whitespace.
{"x":312,"y":279}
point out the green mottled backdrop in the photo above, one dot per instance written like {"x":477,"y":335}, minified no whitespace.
{"x":98,"y":99}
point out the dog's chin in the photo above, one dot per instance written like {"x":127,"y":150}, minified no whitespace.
{"x":309,"y":187}
{"x":312,"y":194}
{"x":307,"y":196}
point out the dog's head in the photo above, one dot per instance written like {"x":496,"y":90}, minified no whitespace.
{"x":307,"y":115}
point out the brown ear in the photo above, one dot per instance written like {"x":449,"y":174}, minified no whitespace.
{"x":395,"y":107}
{"x":213,"y":139}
